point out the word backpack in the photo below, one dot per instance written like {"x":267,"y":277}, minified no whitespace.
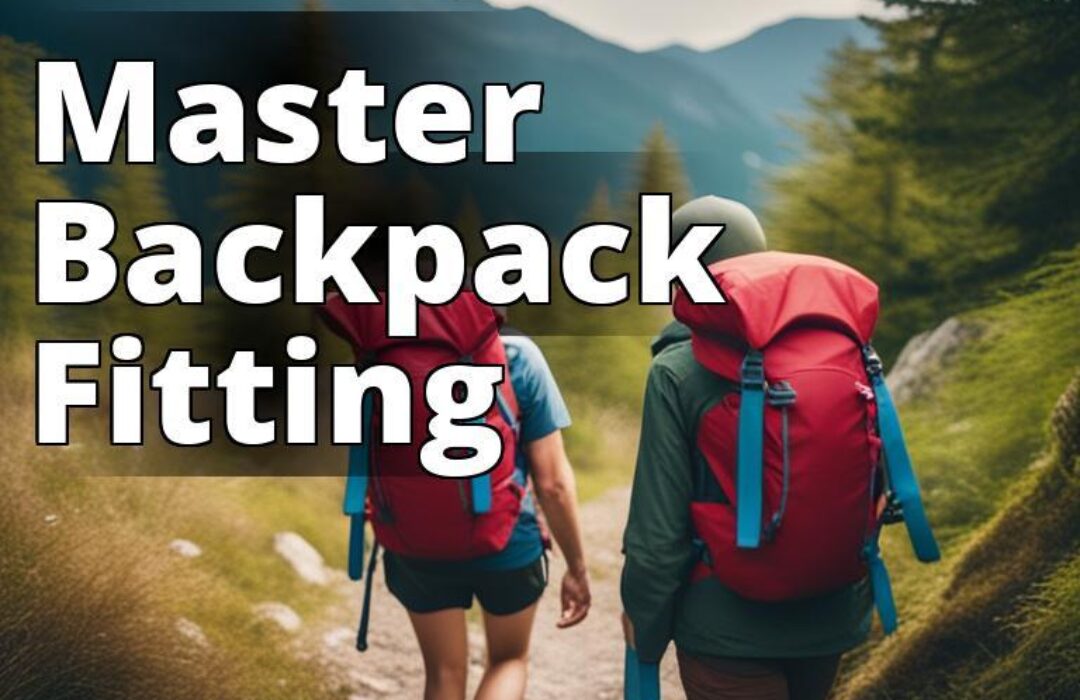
{"x":808,"y":455}
{"x":414,"y":513}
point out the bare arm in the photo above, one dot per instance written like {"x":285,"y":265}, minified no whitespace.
{"x":555,"y":489}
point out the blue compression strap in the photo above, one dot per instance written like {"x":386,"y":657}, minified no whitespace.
{"x":640,"y":681}
{"x":481,"y":493}
{"x":748,"y":474}
{"x":504,"y":409}
{"x":898,"y":464}
{"x":356,"y":486}
{"x":480,"y":486}
{"x":879,"y":583}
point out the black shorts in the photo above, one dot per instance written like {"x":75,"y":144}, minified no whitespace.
{"x":425,"y":587}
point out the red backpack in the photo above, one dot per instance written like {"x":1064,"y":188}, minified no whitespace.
{"x":798,"y":450}
{"x":808,"y":455}
{"x":412,"y":512}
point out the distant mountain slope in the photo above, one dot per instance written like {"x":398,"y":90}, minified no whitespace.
{"x":716,"y":106}
{"x":774,"y":68}
{"x":599,"y":97}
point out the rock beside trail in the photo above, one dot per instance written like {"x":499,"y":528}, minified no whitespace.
{"x":376,"y":684}
{"x":339,"y":637}
{"x":192,"y":631}
{"x":927,"y":353}
{"x":304,"y":559}
{"x":280,"y":614}
{"x":185,"y":548}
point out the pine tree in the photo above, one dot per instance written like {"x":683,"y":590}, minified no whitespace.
{"x":22,"y":184}
{"x":659,"y":169}
{"x":599,"y":208}
{"x":942,"y":161}
{"x":135,"y":192}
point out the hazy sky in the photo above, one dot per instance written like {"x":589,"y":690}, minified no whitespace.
{"x":703,"y":24}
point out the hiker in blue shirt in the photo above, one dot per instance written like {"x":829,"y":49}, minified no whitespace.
{"x":508,"y":584}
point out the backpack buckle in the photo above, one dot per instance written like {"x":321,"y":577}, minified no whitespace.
{"x":780,"y":394}
{"x":893,"y":512}
{"x":752,"y":373}
{"x":872,"y":361}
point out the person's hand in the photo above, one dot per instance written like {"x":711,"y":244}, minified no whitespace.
{"x":575,"y":597}
{"x":628,"y":631}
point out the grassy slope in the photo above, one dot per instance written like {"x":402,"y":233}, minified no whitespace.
{"x":90,"y":593}
{"x":987,"y":621}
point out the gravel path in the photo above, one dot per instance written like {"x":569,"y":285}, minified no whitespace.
{"x":582,"y":662}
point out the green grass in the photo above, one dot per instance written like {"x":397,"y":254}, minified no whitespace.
{"x":1001,"y":625}
{"x":985,"y":418}
{"x":992,"y":620}
{"x":89,"y":603}
{"x":602,"y":379}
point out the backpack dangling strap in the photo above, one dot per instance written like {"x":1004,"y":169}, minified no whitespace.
{"x":748,"y":470}
{"x":902,"y":479}
{"x":365,"y":611}
{"x":879,"y":584}
{"x":356,"y":486}
{"x":640,"y":681}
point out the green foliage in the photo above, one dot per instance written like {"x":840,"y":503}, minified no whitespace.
{"x":986,"y":416}
{"x":1003,"y":495}
{"x":991,"y":112}
{"x":135,"y":192}
{"x":659,"y":169}
{"x":22,"y":184}
{"x":91,"y":596}
{"x":941,"y":163}
{"x":1004,"y":621}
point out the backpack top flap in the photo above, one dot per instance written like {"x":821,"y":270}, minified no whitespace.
{"x":769,"y":292}
{"x":462,"y":325}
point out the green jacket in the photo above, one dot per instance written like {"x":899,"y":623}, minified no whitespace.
{"x":706,"y":618}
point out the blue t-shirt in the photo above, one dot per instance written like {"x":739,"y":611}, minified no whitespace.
{"x":542,"y":411}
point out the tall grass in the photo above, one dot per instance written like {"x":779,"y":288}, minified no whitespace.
{"x":90,"y":599}
{"x":1005,"y":624}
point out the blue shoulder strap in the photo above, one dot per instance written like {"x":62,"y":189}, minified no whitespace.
{"x":356,"y":486}
{"x":480,"y":486}
{"x":748,"y":470}
{"x":640,"y":681}
{"x":902,"y":479}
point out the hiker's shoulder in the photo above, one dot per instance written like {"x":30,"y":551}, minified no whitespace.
{"x":523,"y":350}
{"x":676,"y":361}
{"x":675,"y":368}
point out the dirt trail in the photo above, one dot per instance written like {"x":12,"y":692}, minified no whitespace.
{"x":582,"y":662}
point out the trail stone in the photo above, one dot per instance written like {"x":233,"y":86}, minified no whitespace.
{"x":185,"y":548}
{"x":339,"y":636}
{"x":280,"y":614}
{"x":383,"y":686}
{"x":304,"y":559}
{"x":192,"y":631}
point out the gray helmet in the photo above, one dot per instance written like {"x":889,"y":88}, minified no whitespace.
{"x":742,"y":231}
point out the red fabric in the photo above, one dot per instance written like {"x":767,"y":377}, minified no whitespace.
{"x":769,"y":292}
{"x":414,"y":513}
{"x":809,"y":317}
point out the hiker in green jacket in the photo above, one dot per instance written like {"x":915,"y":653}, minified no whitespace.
{"x":727,"y":646}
